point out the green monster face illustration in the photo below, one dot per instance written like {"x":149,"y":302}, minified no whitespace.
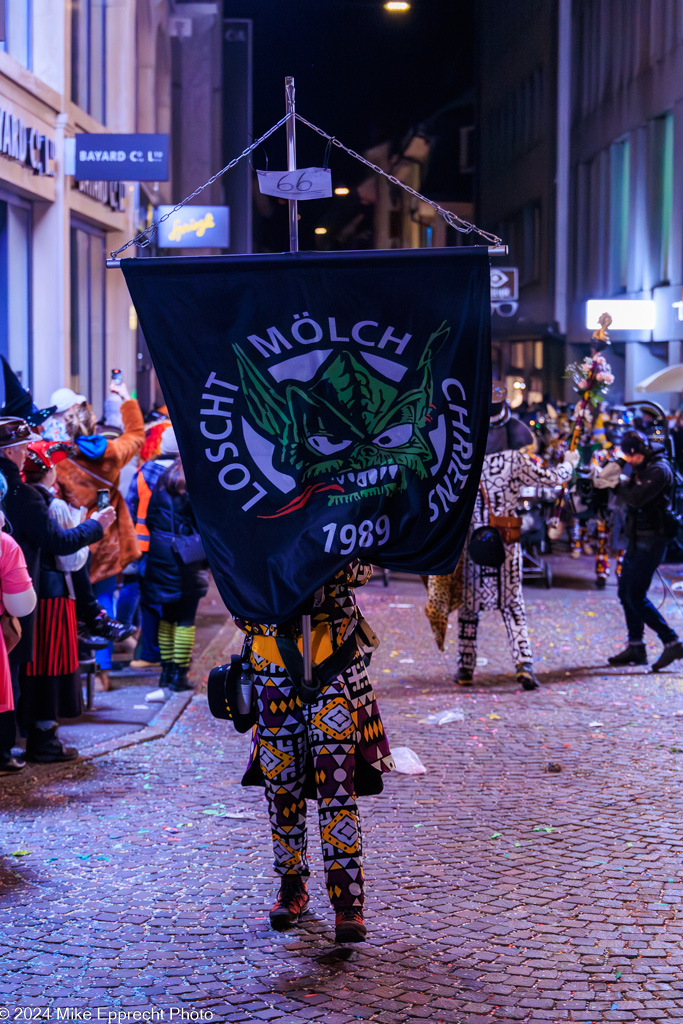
{"x":349,"y":431}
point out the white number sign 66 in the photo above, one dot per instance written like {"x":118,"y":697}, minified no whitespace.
{"x":364,"y":536}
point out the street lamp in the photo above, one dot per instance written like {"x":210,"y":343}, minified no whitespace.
{"x":396,"y":5}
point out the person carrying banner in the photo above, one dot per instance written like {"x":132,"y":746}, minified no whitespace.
{"x":328,"y":744}
{"x":506,"y":469}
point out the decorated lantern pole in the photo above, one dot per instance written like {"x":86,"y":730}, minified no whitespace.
{"x":592,"y":377}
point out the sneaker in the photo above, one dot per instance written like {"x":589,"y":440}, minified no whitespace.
{"x":43,"y":747}
{"x":11,"y":765}
{"x":671,"y":652}
{"x":633,"y":654}
{"x":524,"y":675}
{"x":110,"y":629}
{"x":139,"y":663}
{"x":464,"y":677}
{"x":349,"y":925}
{"x":87,"y":640}
{"x":291,"y":903}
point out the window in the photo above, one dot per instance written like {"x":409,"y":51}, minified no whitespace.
{"x":15,"y":285}
{"x":466,"y":151}
{"x":88,"y":56}
{"x":619,"y":158}
{"x":18,"y":30}
{"x":660,"y":194}
{"x":667,"y":194}
{"x":87,"y":314}
{"x":538,"y":355}
{"x":530,"y":263}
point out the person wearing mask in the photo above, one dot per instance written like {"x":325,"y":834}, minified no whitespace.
{"x":96,"y":465}
{"x":175,"y":587}
{"x":330,"y":746}
{"x":646,"y":492}
{"x":31,"y":527}
{"x":507,"y":468}
{"x":17,"y":598}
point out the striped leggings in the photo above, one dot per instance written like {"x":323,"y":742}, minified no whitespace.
{"x":177,"y":631}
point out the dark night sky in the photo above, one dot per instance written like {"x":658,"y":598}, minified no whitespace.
{"x":361,"y":74}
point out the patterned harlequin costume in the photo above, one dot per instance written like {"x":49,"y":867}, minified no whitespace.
{"x":332,"y":750}
{"x":503,"y":474}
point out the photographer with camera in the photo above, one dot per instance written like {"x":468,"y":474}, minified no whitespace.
{"x":650,"y":525}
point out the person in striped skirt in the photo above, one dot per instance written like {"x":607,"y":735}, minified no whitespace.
{"x":50,"y":682}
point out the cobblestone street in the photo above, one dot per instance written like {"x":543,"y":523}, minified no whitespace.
{"x":497,"y":890}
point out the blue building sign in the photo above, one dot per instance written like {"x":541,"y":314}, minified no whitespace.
{"x":194,"y":227}
{"x":121,"y":157}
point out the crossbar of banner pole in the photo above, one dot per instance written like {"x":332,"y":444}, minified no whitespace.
{"x":494,"y":250}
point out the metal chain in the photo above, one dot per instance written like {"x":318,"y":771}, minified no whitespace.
{"x":464,"y":226}
{"x":145,"y":237}
{"x":451,"y":218}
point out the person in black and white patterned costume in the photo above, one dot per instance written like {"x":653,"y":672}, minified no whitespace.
{"x":506,"y":469}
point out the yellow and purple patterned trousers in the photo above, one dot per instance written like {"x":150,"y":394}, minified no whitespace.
{"x":294,"y":740}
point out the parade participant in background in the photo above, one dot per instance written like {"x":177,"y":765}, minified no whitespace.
{"x":647,"y":495}
{"x":169,"y":582}
{"x":17,"y":598}
{"x":331,"y":749}
{"x":506,"y":470}
{"x":676,"y":434}
{"x":96,"y":465}
{"x":51,"y":681}
{"x":131,"y":598}
{"x":156,"y":424}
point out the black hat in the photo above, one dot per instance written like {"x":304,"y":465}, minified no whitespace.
{"x":634,"y":443}
{"x":14,"y":430}
{"x":508,"y":436}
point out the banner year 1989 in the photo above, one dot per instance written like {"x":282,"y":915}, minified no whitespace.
{"x":350,"y":537}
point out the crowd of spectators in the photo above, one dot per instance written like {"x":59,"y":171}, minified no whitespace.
{"x":89,"y":514}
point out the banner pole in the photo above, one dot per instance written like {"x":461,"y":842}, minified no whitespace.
{"x":291,"y":163}
{"x":294,"y":247}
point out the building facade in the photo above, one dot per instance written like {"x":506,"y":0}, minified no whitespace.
{"x":581,"y":159}
{"x":515,"y":191}
{"x":626,"y":177}
{"x":65,"y":68}
{"x":89,"y":66}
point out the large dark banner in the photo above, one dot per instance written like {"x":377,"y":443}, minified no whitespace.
{"x":327,"y":407}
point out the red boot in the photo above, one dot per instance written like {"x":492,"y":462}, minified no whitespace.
{"x":349,"y":925}
{"x":291,"y":903}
